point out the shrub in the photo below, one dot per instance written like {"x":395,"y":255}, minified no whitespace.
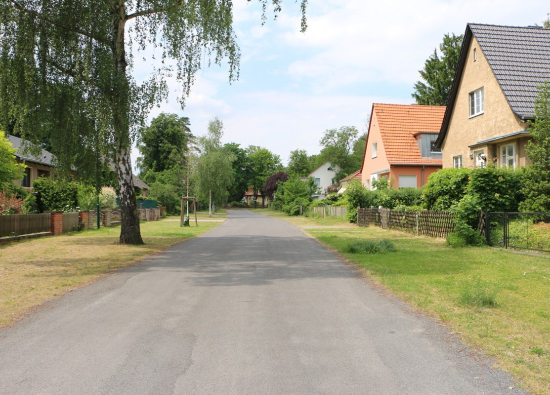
{"x":236,"y":204}
{"x":10,"y":204}
{"x":357,"y":196}
{"x":479,"y":293}
{"x":55,"y":195}
{"x":107,"y":198}
{"x":86,"y":197}
{"x":464,"y":235}
{"x":294,"y":192}
{"x":166,"y":195}
{"x":445,"y":188}
{"x":370,"y":247}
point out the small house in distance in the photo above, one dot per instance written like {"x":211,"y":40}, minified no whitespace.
{"x":493,"y":96}
{"x":324,"y":176}
{"x":37,"y":166}
{"x":400,"y":144}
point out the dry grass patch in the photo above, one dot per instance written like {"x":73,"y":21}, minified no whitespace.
{"x":37,"y":270}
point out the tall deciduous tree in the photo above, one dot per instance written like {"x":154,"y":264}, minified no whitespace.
{"x":338,"y":148}
{"x":272,"y":183}
{"x":536,"y":187}
{"x":242,"y":172}
{"x":438,"y":73}
{"x":214,"y":170}
{"x":166,"y":137}
{"x":64,"y":71}
{"x":299,"y":163}
{"x":264,"y":164}
{"x":10,"y":170}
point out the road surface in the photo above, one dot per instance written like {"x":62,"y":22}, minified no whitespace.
{"x":253,"y":306}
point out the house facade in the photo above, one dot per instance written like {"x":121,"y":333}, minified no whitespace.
{"x":324,"y":176}
{"x":493,"y":95}
{"x":37,"y":166}
{"x":400,"y":145}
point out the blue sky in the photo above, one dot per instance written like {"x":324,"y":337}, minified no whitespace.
{"x":293,"y":86}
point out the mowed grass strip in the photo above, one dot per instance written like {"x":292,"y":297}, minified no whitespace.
{"x":496,"y":300}
{"x":35,"y":271}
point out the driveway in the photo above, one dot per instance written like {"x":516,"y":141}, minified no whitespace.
{"x":253,"y":306}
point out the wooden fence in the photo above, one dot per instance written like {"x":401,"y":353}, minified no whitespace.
{"x":427,"y":223}
{"x":331,"y":211}
{"x":24,"y":224}
{"x":71,"y":222}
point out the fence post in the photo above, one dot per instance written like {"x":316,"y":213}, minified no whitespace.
{"x":505,"y":229}
{"x":416,"y":217}
{"x":487,"y":227}
{"x":57,"y":222}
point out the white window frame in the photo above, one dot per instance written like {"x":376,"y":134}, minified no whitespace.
{"x":317,"y":182}
{"x":479,"y":162}
{"x":373,"y":177}
{"x":476,"y":102}
{"x":506,"y":157}
{"x":375,"y":149}
{"x":457,"y":162}
{"x":402,"y":179}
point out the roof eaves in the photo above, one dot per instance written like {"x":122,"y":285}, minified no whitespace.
{"x":498,"y":138}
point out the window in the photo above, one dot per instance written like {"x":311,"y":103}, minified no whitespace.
{"x":457,"y":161}
{"x":317,"y":182}
{"x":477,"y":105}
{"x":373,"y":178}
{"x":407,"y":182}
{"x":475,"y":54}
{"x":479,"y":157}
{"x":26,"y":181}
{"x":43,"y":173}
{"x":433,"y":148}
{"x":508,"y":155}
{"x":374,"y":150}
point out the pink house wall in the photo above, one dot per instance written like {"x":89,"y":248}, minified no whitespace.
{"x":370,"y":164}
{"x":396,"y":171}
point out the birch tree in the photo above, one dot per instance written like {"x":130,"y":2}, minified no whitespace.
{"x":214,"y":170}
{"x":65,"y":71}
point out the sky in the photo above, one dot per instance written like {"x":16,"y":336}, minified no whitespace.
{"x":294,"y":86}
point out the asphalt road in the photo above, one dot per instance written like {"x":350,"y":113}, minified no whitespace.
{"x":252,"y":307}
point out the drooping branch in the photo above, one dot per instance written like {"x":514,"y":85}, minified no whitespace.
{"x":155,"y":11}
{"x":60,"y":25}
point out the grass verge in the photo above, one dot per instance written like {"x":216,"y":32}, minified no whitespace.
{"x":35,"y":271}
{"x":495,"y":300}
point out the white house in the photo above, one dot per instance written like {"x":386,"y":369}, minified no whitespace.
{"x":324,"y":176}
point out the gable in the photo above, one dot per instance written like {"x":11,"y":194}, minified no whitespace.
{"x":519,"y":61}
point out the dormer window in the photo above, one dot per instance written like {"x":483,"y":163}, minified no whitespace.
{"x":477,"y":105}
{"x":433,"y":147}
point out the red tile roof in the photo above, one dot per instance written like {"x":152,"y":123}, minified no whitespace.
{"x":399,"y":122}
{"x":353,"y":176}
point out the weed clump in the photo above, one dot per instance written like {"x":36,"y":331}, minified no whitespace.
{"x":479,"y":293}
{"x":370,"y":247}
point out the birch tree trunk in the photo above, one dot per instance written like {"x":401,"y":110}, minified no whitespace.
{"x":210,"y":205}
{"x":129,"y":219}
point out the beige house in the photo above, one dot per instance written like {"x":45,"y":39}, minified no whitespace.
{"x":493,"y":95}
{"x":37,"y":166}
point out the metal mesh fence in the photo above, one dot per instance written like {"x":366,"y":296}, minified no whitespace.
{"x":526,"y":231}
